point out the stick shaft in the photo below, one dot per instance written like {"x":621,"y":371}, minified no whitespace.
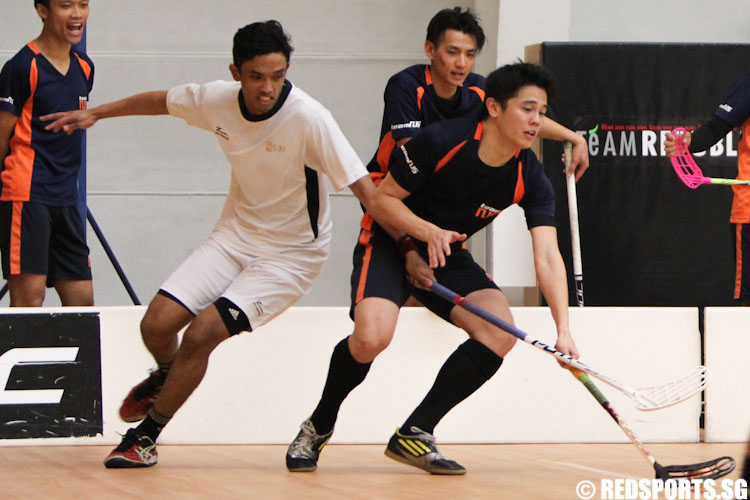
{"x":602,"y":399}
{"x":450,"y":296}
{"x":575,"y":237}
{"x":730,"y":182}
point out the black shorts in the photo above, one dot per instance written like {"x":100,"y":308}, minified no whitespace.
{"x":741,"y":241}
{"x":42,"y":239}
{"x":379,"y":272}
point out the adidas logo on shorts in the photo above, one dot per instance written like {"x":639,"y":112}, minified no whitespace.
{"x":234,"y":312}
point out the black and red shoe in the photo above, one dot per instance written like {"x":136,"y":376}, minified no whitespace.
{"x":134,"y":450}
{"x":142,"y":396}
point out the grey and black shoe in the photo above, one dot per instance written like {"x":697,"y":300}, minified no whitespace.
{"x":303,"y":453}
{"x":419,"y":450}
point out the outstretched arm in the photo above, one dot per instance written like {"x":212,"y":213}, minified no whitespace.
{"x":147,"y":103}
{"x":550,"y":271}
{"x":556,"y":132}
{"x":709,"y":133}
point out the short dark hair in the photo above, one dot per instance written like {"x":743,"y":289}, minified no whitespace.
{"x":505,"y":82}
{"x":43,"y":2}
{"x":258,"y":39}
{"x":454,"y":19}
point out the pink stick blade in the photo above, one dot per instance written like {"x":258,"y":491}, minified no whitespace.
{"x":684,"y":165}
{"x":687,"y":172}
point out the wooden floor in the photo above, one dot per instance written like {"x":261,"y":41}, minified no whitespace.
{"x":352,"y":472}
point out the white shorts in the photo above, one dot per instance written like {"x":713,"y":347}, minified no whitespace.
{"x":262,"y":286}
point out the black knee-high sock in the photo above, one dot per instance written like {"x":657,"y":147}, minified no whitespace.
{"x":153,"y":424}
{"x":344,"y":374}
{"x":470,"y":366}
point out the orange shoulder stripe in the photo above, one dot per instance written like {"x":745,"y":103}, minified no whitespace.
{"x":518,"y":194}
{"x":478,"y":131}
{"x":479,"y":92}
{"x":84,"y":65}
{"x":448,"y":157}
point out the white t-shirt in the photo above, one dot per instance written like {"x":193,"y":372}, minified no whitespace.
{"x":274,"y":203}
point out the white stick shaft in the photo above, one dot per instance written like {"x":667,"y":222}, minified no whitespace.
{"x":575,"y":237}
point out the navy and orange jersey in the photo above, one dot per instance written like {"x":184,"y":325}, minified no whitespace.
{"x":411,"y":104}
{"x":453,"y":188}
{"x":42,"y":166}
{"x":735,"y":110}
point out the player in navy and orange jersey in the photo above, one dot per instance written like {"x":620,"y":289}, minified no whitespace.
{"x":446,"y":184}
{"x":446,"y":88}
{"x":414,"y":98}
{"x":733,"y":112}
{"x":42,"y":233}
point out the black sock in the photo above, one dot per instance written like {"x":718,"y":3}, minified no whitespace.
{"x":344,"y":374}
{"x":164,"y":369}
{"x":470,"y":366}
{"x":152,"y":424}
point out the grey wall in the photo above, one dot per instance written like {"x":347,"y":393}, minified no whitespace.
{"x":692,"y":21}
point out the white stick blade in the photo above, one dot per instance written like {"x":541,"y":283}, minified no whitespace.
{"x":671,"y":393}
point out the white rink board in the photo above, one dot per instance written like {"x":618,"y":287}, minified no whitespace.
{"x":260,"y":386}
{"x":727,"y":343}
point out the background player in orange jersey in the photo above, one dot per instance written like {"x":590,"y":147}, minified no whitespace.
{"x":42,"y":232}
{"x":734,"y":111}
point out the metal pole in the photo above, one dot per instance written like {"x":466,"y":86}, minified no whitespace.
{"x":112,"y":257}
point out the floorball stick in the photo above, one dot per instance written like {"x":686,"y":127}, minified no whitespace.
{"x":645,"y":398}
{"x":712,"y":469}
{"x":688,"y":171}
{"x":575,"y":237}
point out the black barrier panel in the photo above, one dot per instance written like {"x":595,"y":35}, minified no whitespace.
{"x":646,"y":238}
{"x":50,"y":375}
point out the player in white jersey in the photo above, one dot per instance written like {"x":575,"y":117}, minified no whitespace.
{"x":274,"y":232}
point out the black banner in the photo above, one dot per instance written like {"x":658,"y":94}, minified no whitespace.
{"x":646,"y":238}
{"x":50,"y":375}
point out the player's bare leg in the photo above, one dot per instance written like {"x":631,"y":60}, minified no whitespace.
{"x":75,"y":292}
{"x":374,"y":325}
{"x":162,"y":322}
{"x":478,"y":329}
{"x":205,"y":332}
{"x":27,"y":290}
{"x":164,"y":318}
